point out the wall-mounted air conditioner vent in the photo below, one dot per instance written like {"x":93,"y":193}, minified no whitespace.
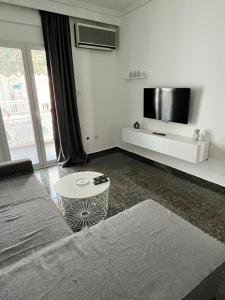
{"x":95,"y":37}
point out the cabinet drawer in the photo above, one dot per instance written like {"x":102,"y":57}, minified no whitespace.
{"x":148,"y":141}
{"x":185,"y":151}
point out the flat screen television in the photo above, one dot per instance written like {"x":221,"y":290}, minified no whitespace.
{"x":167,"y":104}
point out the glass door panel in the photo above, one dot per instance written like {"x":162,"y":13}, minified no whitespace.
{"x":15,"y":106}
{"x":41,"y":83}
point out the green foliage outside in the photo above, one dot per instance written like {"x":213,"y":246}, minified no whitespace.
{"x":11,"y":62}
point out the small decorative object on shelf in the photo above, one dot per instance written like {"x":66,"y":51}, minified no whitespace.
{"x":136,"y":125}
{"x":137,"y":75}
{"x":144,"y":74}
{"x":196,"y":135}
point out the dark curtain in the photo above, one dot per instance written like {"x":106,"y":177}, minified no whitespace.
{"x":66,"y":125}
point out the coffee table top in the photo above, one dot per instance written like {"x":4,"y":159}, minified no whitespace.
{"x":80,"y":185}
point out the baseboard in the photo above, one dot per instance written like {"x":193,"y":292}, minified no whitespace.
{"x":181,"y":174}
{"x":103,"y":152}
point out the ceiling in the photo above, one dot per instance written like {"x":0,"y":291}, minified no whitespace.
{"x":112,"y":8}
{"x":116,"y":5}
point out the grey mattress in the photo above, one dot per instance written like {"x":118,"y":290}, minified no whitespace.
{"x":28,"y":218}
{"x":144,"y":253}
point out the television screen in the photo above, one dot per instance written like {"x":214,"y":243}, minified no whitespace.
{"x":167,"y":104}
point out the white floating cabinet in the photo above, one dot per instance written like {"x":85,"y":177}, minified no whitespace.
{"x":143,"y":139}
{"x":173,"y":145}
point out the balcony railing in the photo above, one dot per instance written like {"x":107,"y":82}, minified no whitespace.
{"x":17,"y":107}
{"x":19,"y":125}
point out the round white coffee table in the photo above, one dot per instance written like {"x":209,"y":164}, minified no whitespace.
{"x":80,"y":201}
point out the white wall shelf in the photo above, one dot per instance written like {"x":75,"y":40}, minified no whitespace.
{"x":173,"y":145}
{"x":133,"y":78}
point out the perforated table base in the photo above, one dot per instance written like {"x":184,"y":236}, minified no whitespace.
{"x":80,"y":213}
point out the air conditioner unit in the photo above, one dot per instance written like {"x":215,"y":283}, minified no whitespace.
{"x":95,"y":37}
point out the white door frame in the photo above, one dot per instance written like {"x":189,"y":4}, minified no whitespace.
{"x":33,"y":102}
{"x":3,"y":141}
{"x":30,"y":47}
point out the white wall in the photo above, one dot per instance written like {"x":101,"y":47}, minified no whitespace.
{"x":19,"y":24}
{"x":181,"y":43}
{"x":95,"y":74}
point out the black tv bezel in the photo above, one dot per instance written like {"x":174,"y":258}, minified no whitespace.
{"x":169,"y":88}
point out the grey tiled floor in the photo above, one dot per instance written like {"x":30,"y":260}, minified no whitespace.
{"x":133,"y":181}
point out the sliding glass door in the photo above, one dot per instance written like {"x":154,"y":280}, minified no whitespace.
{"x":40,"y":85}
{"x":25,"y":104}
